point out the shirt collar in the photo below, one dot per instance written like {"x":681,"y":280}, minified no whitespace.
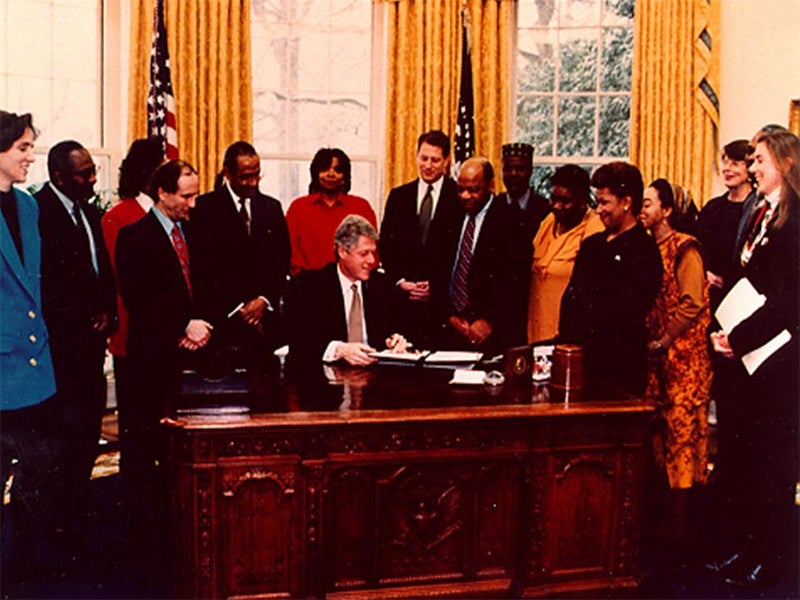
{"x":65,"y":200}
{"x":233,"y":194}
{"x":145,"y":201}
{"x":165,"y":221}
{"x":522,"y":201}
{"x":422,"y":186}
{"x":345,"y":282}
{"x":774,"y":197}
{"x":338,"y":200}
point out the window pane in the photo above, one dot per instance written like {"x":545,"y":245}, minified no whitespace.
{"x":536,"y":67}
{"x":535,"y":123}
{"x":536,"y":14}
{"x":615,"y":115}
{"x":312,"y":86}
{"x":52,"y":67}
{"x":540,"y":182}
{"x":618,"y":12}
{"x":617,"y":55}
{"x":576,"y":14}
{"x":576,"y":118}
{"x":578,"y":67}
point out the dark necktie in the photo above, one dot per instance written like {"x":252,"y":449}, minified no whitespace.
{"x":425,"y":212}
{"x":83,"y":235}
{"x":458,"y":288}
{"x":183,"y":255}
{"x":355,"y":329}
{"x":8,"y":204}
{"x":243,"y":214}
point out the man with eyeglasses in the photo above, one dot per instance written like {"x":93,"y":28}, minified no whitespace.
{"x":242,"y":248}
{"x":79,"y":308}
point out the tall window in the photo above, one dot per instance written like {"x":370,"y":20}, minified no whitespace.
{"x":51,"y":65}
{"x":574,"y":62}
{"x":313,"y":87}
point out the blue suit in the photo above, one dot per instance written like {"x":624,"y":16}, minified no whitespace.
{"x":26,"y":368}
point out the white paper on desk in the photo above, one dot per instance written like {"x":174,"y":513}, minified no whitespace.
{"x":468,"y":377}
{"x":740,"y":302}
{"x":401,"y":356}
{"x":453,"y":356}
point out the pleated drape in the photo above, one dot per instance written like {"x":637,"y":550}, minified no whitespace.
{"x":674,"y":102}
{"x":424,"y":57}
{"x":209,"y":50}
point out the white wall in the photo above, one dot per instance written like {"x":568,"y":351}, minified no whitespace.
{"x":760,"y":70}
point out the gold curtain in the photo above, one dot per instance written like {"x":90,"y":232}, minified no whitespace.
{"x":674,"y":102}
{"x":423,"y":76}
{"x":209,"y":51}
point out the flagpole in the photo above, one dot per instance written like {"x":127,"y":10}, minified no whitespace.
{"x":465,"y":118}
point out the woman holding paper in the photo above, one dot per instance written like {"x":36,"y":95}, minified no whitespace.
{"x":766,"y":342}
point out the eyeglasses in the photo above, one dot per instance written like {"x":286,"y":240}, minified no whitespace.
{"x":87,"y":172}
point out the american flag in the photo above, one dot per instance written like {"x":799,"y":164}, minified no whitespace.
{"x":465,"y":123}
{"x":160,"y":100}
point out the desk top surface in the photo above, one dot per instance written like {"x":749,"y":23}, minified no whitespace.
{"x":381,"y":393}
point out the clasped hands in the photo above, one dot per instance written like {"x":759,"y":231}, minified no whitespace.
{"x":476,"y":332}
{"x":358,"y":354}
{"x":196,"y":335}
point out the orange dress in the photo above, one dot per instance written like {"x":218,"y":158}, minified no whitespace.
{"x":679,"y":380}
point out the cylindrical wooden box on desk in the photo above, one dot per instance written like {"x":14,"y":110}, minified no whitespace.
{"x":566,"y":379}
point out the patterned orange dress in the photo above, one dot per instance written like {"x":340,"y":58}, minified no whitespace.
{"x":679,"y":380}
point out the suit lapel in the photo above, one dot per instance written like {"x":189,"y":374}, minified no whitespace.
{"x":27,"y":273}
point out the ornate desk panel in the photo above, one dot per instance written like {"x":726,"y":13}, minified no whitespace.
{"x":390,"y":483}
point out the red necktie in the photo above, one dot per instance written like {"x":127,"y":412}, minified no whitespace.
{"x":183,"y":255}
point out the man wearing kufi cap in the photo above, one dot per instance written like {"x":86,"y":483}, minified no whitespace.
{"x":528,"y":209}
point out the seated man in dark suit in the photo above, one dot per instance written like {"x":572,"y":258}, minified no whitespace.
{"x":241,"y":245}
{"x":527,"y":210}
{"x":420,"y":217}
{"x":344,"y":310}
{"x":476,"y":275}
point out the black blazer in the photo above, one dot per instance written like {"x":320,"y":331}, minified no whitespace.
{"x":491,"y":276}
{"x":232,"y":266}
{"x":73,"y":295}
{"x":153,"y":289}
{"x":316,"y":314}
{"x":774,"y":270}
{"x":403,"y":254}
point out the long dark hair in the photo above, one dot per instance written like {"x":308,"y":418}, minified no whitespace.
{"x":784,"y":147}
{"x":137,"y":167}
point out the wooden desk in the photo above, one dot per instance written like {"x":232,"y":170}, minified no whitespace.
{"x":390,"y":483}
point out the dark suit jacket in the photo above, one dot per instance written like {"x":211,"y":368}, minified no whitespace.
{"x":316,"y":313}
{"x":403,"y":254}
{"x":490,"y":281}
{"x":73,"y":295}
{"x":233,"y":267}
{"x":153,"y":289}
{"x":525,"y":224}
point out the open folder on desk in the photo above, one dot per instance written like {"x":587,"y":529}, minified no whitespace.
{"x":442,"y":358}
{"x":741,"y":302}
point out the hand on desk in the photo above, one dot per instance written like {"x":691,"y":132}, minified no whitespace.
{"x":397,"y":343}
{"x":197,"y":334}
{"x":355,"y":353}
